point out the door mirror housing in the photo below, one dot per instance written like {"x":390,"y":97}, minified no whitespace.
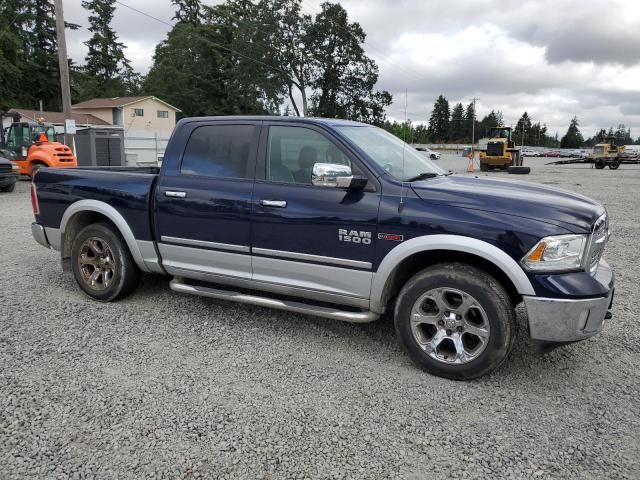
{"x":335,"y":175}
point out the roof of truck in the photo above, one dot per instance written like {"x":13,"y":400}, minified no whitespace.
{"x":312,"y":120}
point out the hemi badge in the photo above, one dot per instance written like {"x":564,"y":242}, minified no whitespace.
{"x":391,"y":237}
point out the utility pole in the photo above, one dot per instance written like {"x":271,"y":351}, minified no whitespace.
{"x":473,"y":126}
{"x":64,"y":71}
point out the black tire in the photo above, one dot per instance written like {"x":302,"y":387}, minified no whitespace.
{"x":484,"y":167}
{"x":599,"y":164}
{"x":125,"y":275}
{"x":519,"y":170}
{"x":486,"y":291}
{"x":9,"y":188}
{"x":614,"y":164}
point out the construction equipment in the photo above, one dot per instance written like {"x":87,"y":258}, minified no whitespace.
{"x":606,"y":154}
{"x":32,"y":145}
{"x":501,"y":151}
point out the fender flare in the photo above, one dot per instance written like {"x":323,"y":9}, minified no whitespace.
{"x":455,"y":243}
{"x":113,"y":215}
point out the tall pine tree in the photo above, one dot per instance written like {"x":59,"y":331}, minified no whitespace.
{"x":107,"y":72}
{"x":573,"y":137}
{"x":457,"y":125}
{"x":439,"y":121}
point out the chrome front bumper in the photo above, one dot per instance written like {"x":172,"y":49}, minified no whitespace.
{"x":39,"y":234}
{"x":570,"y":320}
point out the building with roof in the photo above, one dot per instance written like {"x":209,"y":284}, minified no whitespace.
{"x":147,"y":122}
{"x":148,"y":113}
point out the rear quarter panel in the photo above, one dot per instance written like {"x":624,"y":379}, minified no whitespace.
{"x":129,"y":192}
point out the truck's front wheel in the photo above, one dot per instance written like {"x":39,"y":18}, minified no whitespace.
{"x":455,"y":321}
{"x":102,"y":264}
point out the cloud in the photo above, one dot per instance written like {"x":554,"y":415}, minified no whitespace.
{"x":553,"y":58}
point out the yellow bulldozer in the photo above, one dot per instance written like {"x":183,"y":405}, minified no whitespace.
{"x":501,"y":151}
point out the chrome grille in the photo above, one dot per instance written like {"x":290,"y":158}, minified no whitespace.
{"x":599,"y":238}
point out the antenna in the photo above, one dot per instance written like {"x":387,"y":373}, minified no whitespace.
{"x":404,"y":146}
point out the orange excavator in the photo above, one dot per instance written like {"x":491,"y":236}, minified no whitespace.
{"x":32,"y":145}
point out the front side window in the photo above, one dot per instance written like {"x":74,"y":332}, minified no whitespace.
{"x":138,"y":112}
{"x":17,"y":137}
{"x":219,"y":151}
{"x":293,"y":151}
{"x":397,"y":158}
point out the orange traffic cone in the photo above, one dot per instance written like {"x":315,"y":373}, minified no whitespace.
{"x":470,"y":167}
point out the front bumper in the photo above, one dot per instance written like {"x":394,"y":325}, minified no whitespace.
{"x":570,"y":320}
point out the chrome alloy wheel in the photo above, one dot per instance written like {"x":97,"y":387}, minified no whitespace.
{"x":450,"y":325}
{"x":96,"y":263}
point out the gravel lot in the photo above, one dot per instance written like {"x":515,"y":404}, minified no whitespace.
{"x":168,"y":386}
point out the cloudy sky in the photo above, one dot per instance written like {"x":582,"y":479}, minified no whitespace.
{"x":553,"y":58}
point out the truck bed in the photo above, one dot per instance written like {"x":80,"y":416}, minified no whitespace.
{"x":128,"y":189}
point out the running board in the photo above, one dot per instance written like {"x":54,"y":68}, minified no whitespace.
{"x":178,"y":285}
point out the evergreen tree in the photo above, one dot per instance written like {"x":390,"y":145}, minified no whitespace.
{"x":188,"y":11}
{"x":573,"y":137}
{"x":471,"y":131}
{"x":457,"y":128}
{"x":522,"y":132}
{"x":105,"y":61}
{"x":439,"y":120}
{"x":12,"y":54}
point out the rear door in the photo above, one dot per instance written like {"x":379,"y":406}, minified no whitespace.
{"x":319,"y":240}
{"x":203,"y":202}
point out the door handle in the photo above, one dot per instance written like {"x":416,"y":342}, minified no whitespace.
{"x":274,"y":203}
{"x":171,"y":193}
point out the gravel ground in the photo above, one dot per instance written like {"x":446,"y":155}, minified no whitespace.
{"x":168,"y":386}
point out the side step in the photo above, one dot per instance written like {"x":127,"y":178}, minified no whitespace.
{"x":178,"y":285}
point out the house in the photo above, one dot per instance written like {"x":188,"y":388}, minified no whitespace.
{"x":147,"y":122}
{"x":132,"y":113}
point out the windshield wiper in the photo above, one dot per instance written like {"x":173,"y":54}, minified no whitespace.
{"x":423,"y":176}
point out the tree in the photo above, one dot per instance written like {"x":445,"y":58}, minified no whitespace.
{"x":471,"y":124}
{"x":342,"y":76}
{"x":188,"y":11}
{"x":12,"y":53}
{"x":492,"y":119}
{"x":523,"y":129}
{"x":439,"y":120}
{"x":106,"y":63}
{"x":573,"y":137}
{"x":457,"y":125}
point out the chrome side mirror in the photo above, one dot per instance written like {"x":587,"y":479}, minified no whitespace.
{"x":331,"y":175}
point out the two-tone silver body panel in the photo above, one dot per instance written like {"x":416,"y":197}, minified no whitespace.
{"x":338,"y":280}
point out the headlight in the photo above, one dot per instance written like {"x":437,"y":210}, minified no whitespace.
{"x":557,"y":253}
{"x":14,"y":167}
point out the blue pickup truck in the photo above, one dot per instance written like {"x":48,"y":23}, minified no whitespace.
{"x":341,"y":220}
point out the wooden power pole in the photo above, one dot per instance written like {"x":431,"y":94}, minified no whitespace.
{"x":64,"y":71}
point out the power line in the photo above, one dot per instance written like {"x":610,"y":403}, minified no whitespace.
{"x":215,"y":44}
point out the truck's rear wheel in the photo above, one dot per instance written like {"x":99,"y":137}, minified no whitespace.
{"x":102,"y":264}
{"x":455,"y":321}
{"x":614,"y":164}
{"x":599,"y":164}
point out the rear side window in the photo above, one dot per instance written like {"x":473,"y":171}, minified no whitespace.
{"x":219,"y":151}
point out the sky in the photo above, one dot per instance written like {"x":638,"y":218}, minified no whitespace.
{"x":552,"y":58}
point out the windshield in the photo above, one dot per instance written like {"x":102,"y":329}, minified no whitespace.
{"x":397,"y":158}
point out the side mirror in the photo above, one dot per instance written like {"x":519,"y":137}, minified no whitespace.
{"x":332,"y":175}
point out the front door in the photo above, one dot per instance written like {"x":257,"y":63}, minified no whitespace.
{"x":319,"y":241}
{"x":203,"y":204}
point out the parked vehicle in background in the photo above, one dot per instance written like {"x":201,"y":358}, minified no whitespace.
{"x":8,"y":174}
{"x":551,"y":153}
{"x":429,"y":153}
{"x":34,"y":145}
{"x":530,"y":153}
{"x":342,"y":220}
{"x":501,"y":152}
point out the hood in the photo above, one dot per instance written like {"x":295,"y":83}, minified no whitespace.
{"x":566,"y":209}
